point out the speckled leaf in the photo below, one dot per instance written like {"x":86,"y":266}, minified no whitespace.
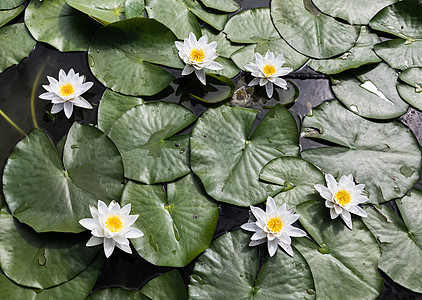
{"x":9,"y":4}
{"x":400,"y":54}
{"x":223,"y":5}
{"x":169,"y":285}
{"x":178,"y":225}
{"x":134,"y":8}
{"x":215,"y":20}
{"x":117,"y":294}
{"x":104,"y":11}
{"x":223,"y":150}
{"x":10,"y":14}
{"x":411,"y":93}
{"x":383,"y":156}
{"x":218,"y":88}
{"x":224,"y":47}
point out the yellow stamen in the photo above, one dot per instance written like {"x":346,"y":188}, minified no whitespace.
{"x":66,"y":90}
{"x":275,"y":224}
{"x":269,"y":70}
{"x":197,"y":55}
{"x":114,"y":223}
{"x":342,"y":197}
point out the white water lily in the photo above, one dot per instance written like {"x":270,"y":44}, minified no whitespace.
{"x":198,"y":55}
{"x":66,"y":92}
{"x":267,"y":71}
{"x":111,"y":226}
{"x":343,"y":198}
{"x":274,"y":226}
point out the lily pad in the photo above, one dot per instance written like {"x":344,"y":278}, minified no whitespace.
{"x":56,"y":23}
{"x":411,"y":93}
{"x":224,"y":47}
{"x":360,"y":54}
{"x":383,"y":156}
{"x":50,"y":196}
{"x":229,"y":68}
{"x":370,"y":92}
{"x":169,"y":285}
{"x":177,"y":226}
{"x":218,"y":88}
{"x":296,"y":176}
{"x":117,"y":294}
{"x":229,"y":270}
{"x":222,"y":5}
{"x":134,"y":8}
{"x":104,"y":11}
{"x":10,"y":14}
{"x":10,"y":290}
{"x":16,"y":41}
{"x":133,"y":47}
{"x":338,"y":254}
{"x":215,"y":20}
{"x":309,"y":31}
{"x":228,"y":156}
{"x":400,"y":54}
{"x":145,"y":137}
{"x":400,"y":242}
{"x":9,"y":4}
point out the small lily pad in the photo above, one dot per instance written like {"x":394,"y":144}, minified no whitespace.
{"x":8,"y":15}
{"x":104,"y":11}
{"x":218,"y":88}
{"x":412,"y":91}
{"x":400,"y":53}
{"x":169,"y":285}
{"x":9,"y":4}
{"x":222,"y":5}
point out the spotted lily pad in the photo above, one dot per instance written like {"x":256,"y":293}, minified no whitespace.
{"x":412,"y":91}
{"x":9,"y":4}
{"x":222,"y":5}
{"x":178,"y":225}
{"x":228,"y":156}
{"x":10,"y":14}
{"x":50,"y":196}
{"x":383,"y":156}
{"x":169,"y":285}
{"x":104,"y":11}
{"x":145,"y":137}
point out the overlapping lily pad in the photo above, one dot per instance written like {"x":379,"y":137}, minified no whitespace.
{"x":50,"y":196}
{"x":401,"y":54}
{"x":169,"y":285}
{"x":178,"y":225}
{"x":228,"y":156}
{"x":145,"y":137}
{"x":229,"y":270}
{"x":218,"y":88}
{"x":9,"y":4}
{"x":134,"y":8}
{"x":370,"y":92}
{"x":383,"y":156}
{"x":104,"y":11}
{"x":412,"y":91}
{"x":10,"y":14}
{"x":215,"y":20}
{"x":224,"y":47}
{"x":222,"y":5}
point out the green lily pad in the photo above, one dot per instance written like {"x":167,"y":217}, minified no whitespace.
{"x":383,"y":156}
{"x":400,"y":54}
{"x":145,"y":137}
{"x":104,"y":11}
{"x":134,"y":8}
{"x":218,"y":88}
{"x":215,"y":20}
{"x":16,"y":41}
{"x":112,"y":106}
{"x":117,"y":294}
{"x":222,"y":5}
{"x":360,"y":54}
{"x":10,"y":14}
{"x":296,"y":176}
{"x":228,"y":157}
{"x":339,"y":255}
{"x":224,"y":47}
{"x":229,"y":270}
{"x":411,"y":93}
{"x":10,"y":290}
{"x":309,"y":31}
{"x":370,"y":92}
{"x":56,"y":23}
{"x":50,"y":196}
{"x":133,"y":47}
{"x":400,"y":242}
{"x":229,"y":70}
{"x":9,"y":4}
{"x":169,"y":285}
{"x":178,"y":225}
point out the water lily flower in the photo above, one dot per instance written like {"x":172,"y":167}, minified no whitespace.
{"x":111,"y":226}
{"x":267,"y":71}
{"x":343,"y":198}
{"x":274,"y":226}
{"x":198,"y":55}
{"x":66,"y":92}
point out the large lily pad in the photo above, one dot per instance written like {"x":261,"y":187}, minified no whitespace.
{"x":224,"y":47}
{"x":133,"y":47}
{"x":9,"y":4}
{"x":56,"y":23}
{"x":177,"y":226}
{"x":383,"y":156}
{"x":222,"y":5}
{"x":145,"y":137}
{"x":370,"y":92}
{"x":10,"y":14}
{"x":412,"y":91}
{"x":338,"y":254}
{"x":48,"y":197}
{"x":15,"y":43}
{"x":400,"y":54}
{"x":228,"y":156}
{"x":104,"y":11}
{"x":169,"y":285}
{"x":309,"y":31}
{"x":229,"y":270}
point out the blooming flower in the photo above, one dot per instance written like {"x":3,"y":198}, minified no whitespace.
{"x":267,"y":71}
{"x":66,"y":92}
{"x":343,"y":198}
{"x":273,"y":226}
{"x":111,"y":226}
{"x":198,"y":55}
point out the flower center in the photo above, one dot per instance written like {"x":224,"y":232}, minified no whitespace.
{"x":269,"y":70}
{"x":275,"y":224}
{"x":197,"y":55}
{"x":66,"y":90}
{"x":342,"y":197}
{"x":114,"y":223}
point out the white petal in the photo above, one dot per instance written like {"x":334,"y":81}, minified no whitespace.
{"x":134,"y":233}
{"x":62,"y":76}
{"x":346,"y":215}
{"x":187,"y":70}
{"x":331,"y":182}
{"x":361,"y":199}
{"x":292,"y":218}
{"x":338,"y":209}
{"x":89,"y":223}
{"x":272,"y":247}
{"x":57,"y":107}
{"x":81,"y":102}
{"x":263,"y":81}
{"x":121,"y":240}
{"x":94,"y":241}
{"x":281,"y":83}
{"x":108,"y":247}
{"x":357,"y":211}
{"x":126,"y":209}
{"x":251,"y":67}
{"x":254,"y":81}
{"x":348,"y":222}
{"x":68,"y":109}
{"x":271,"y":207}
{"x":283,"y":71}
{"x":47,"y":96}
{"x":179,"y":46}
{"x":102,"y":208}
{"x":296,"y":232}
{"x":57,"y":100}
{"x":125,"y":248}
{"x":282,"y":209}
{"x":250,"y":226}
{"x":258,"y":213}
{"x":257,"y":242}
{"x":203,"y":40}
{"x":215,"y":66}
{"x":71,"y":73}
{"x":287,"y":248}
{"x":114,"y":207}
{"x":201,"y":76}
{"x":270,"y":89}
{"x":130,"y":220}
{"x":344,"y":180}
{"x":329,"y":204}
{"x":98,"y":231}
{"x":279,"y":57}
{"x":84,"y":87}
{"x":285,"y":238}
{"x":94,"y":211}
{"x":260,"y":234}
{"x":333,"y":213}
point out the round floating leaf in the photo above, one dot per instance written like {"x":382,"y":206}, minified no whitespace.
{"x":309,"y":31}
{"x":296,"y":175}
{"x":370,"y":92}
{"x":400,"y":54}
{"x":9,"y":4}
{"x":383,"y":156}
{"x":56,"y":23}
{"x":117,"y":294}
{"x":228,"y":157}
{"x":16,"y":41}
{"x":411,"y":93}
{"x":360,"y":54}
{"x":112,"y":106}
{"x":48,"y":197}
{"x":229,"y":68}
{"x":400,"y":242}
{"x":224,"y":47}
{"x":169,"y":285}
{"x":339,"y":255}
{"x":131,"y":47}
{"x":104,"y":11}
{"x":229,"y":270}
{"x":145,"y":137}
{"x":223,"y":5}
{"x":218,"y":88}
{"x":215,"y":20}
{"x":8,"y":15}
{"x":177,"y":226}
{"x":10,"y":290}
{"x":134,"y":8}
